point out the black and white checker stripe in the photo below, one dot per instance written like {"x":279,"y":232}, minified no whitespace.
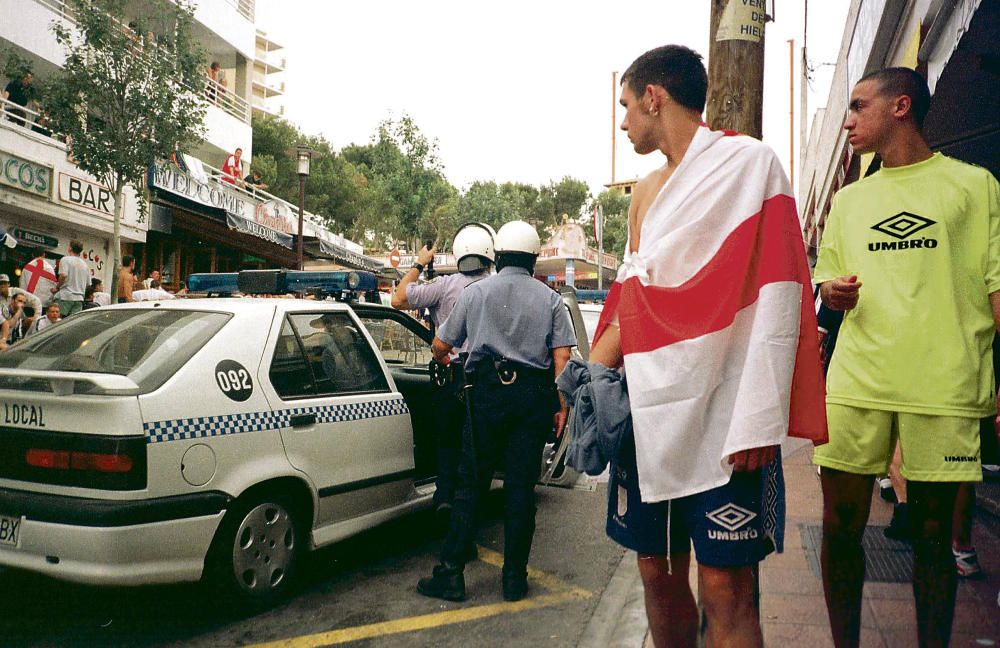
{"x":210,"y":426}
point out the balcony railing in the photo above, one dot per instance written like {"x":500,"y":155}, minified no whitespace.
{"x":215,"y":94}
{"x":245,"y":7}
{"x":21,"y":117}
{"x":219,"y":95}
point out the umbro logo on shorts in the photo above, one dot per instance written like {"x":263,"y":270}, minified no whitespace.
{"x":730,"y":516}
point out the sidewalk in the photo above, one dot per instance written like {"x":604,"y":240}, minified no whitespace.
{"x":793,"y":611}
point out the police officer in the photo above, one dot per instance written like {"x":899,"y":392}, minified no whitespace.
{"x":473,"y":249}
{"x":518,"y":337}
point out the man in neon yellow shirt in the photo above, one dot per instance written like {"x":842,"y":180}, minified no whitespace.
{"x":912,"y":253}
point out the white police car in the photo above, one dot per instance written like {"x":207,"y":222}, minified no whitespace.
{"x":219,"y":438}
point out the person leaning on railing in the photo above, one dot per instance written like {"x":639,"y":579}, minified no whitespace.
{"x":18,"y":91}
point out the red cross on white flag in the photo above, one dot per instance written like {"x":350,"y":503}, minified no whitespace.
{"x":38,"y":277}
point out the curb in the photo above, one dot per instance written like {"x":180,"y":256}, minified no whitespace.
{"x":619,"y":621}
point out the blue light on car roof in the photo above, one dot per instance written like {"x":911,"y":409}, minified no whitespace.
{"x":283,"y":282}
{"x":212,"y":282}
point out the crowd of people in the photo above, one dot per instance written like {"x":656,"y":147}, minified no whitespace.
{"x":73,"y":289}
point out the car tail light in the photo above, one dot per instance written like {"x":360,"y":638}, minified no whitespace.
{"x":90,"y":461}
{"x":62,"y":460}
{"x":41,"y":458}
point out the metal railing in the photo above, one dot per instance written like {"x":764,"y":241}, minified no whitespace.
{"x":218,"y":94}
{"x":245,"y":7}
{"x":21,"y":117}
{"x":215,"y":93}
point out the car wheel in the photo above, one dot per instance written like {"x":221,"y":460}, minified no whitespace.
{"x":256,"y":552}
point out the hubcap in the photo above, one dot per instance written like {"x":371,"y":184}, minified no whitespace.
{"x":262,"y":551}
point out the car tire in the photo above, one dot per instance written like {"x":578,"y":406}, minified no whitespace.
{"x":256,"y":552}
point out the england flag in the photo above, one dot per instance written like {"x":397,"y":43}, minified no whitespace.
{"x":716,"y":316}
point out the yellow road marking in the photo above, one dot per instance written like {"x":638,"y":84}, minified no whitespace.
{"x":558,"y":593}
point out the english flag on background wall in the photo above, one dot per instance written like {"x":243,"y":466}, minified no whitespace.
{"x":717,"y":323}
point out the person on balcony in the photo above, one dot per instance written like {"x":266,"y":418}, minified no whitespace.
{"x":18,"y":91}
{"x":254,"y":180}
{"x":213,"y":81}
{"x":232,"y":169}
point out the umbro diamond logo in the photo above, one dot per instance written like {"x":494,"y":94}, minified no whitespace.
{"x":903,"y":225}
{"x":730,"y":516}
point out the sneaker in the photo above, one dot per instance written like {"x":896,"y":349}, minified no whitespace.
{"x":967,"y":562}
{"x":447,"y":582}
{"x":885,"y":490}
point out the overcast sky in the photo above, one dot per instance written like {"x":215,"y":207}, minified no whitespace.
{"x":517,"y":90}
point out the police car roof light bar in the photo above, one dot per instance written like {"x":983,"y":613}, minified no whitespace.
{"x":282,"y":282}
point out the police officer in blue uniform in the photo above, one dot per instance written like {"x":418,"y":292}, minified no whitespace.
{"x":474,"y":256}
{"x":518,"y":337}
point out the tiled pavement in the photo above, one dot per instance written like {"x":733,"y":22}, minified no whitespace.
{"x":793,"y":612}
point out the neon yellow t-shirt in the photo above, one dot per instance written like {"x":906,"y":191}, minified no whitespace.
{"x":924,"y":240}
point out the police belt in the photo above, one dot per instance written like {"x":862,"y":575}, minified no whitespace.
{"x":447,"y":375}
{"x":500,"y":371}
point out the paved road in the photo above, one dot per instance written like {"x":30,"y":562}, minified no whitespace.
{"x":359,"y":592}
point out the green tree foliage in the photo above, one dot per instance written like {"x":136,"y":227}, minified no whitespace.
{"x":543,"y":207}
{"x":405,"y":183}
{"x":126,"y":97}
{"x":615,"y":205}
{"x":393,"y":188}
{"x":334,"y":190}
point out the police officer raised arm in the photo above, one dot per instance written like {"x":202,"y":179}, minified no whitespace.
{"x":517,"y":335}
{"x":473,"y":250}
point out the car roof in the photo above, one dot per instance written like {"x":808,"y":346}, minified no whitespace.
{"x":237,"y":305}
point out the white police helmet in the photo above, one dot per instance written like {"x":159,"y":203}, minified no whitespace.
{"x":518,"y":236}
{"x":473,"y":239}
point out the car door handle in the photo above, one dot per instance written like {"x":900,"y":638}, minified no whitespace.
{"x":302,"y":420}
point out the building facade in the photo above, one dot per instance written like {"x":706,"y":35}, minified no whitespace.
{"x":196,"y":220}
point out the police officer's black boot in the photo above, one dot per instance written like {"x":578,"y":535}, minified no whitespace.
{"x":447,"y":582}
{"x":515,"y":585}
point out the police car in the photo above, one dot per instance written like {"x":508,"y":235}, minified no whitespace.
{"x":210,"y":438}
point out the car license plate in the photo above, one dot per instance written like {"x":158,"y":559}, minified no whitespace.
{"x":10,"y":530}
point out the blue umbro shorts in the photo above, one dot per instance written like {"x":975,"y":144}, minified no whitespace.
{"x":734,"y":525}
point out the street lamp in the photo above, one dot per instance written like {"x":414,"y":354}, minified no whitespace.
{"x":304,"y":154}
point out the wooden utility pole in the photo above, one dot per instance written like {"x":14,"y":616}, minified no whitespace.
{"x":736,"y":66}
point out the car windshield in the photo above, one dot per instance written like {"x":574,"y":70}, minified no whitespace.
{"x":147,"y":345}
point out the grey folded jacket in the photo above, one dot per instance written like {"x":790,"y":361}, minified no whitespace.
{"x":601,"y":414}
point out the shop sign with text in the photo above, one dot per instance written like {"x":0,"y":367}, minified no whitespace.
{"x":34,"y":239}
{"x":25,"y":175}
{"x":167,"y":177}
{"x":86,"y":194}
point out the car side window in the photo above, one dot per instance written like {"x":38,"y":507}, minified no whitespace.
{"x":290,"y":373}
{"x":397,"y":343}
{"x":340,"y":357}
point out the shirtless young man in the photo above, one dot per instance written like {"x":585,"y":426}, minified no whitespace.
{"x":663,"y":93}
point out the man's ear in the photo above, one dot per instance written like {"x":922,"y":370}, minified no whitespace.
{"x":902,"y":106}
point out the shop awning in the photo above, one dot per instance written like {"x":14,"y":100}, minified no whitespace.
{"x":247,"y":226}
{"x":319,"y":248}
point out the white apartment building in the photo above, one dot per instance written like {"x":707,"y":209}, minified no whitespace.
{"x":267,"y":88}
{"x":955,"y":44}
{"x":196,"y":221}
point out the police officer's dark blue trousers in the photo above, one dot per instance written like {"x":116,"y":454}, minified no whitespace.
{"x":510,"y":426}
{"x":448,"y":441}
